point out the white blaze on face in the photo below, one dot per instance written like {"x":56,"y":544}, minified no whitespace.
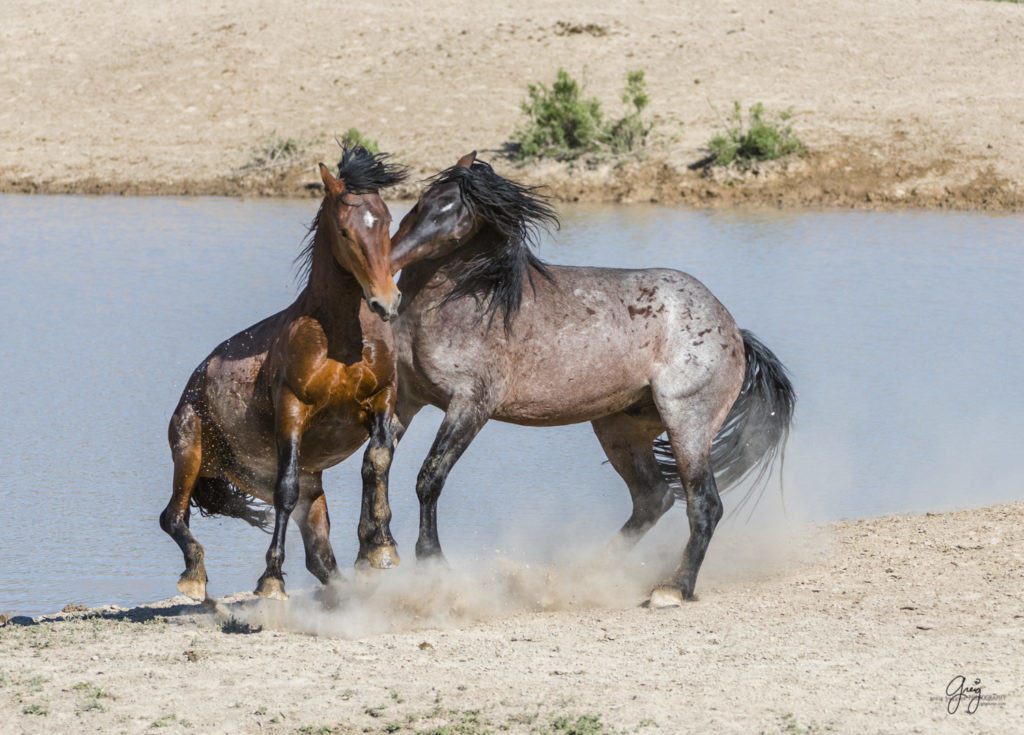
{"x":368,"y":219}
{"x":447,"y":206}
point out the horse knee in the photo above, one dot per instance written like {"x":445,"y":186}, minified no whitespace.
{"x":429,"y":484}
{"x":286,"y":493}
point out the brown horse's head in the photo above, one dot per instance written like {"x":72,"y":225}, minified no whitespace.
{"x":356,"y":223}
{"x":439,"y":223}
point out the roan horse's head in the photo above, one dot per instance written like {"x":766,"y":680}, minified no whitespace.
{"x":356,"y":223}
{"x":439,"y":223}
{"x":486,"y":225}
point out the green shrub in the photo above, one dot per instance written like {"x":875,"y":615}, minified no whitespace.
{"x":564,"y":124}
{"x":353,"y":137}
{"x":631,"y":131}
{"x":275,"y":152}
{"x":561,"y":120}
{"x":583,"y":725}
{"x":765,"y":138}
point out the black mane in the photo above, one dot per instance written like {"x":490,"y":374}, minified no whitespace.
{"x":363,"y":173}
{"x":514,"y":215}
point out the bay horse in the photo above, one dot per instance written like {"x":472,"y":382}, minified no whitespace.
{"x":637,"y":353}
{"x":273,"y":406}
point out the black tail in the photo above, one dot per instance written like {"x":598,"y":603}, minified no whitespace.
{"x":756,"y":428}
{"x":218,"y":496}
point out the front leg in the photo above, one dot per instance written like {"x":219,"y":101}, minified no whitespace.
{"x":377,"y":546}
{"x":461,"y":424}
{"x":290,"y":418}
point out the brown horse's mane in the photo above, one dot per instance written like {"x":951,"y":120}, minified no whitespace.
{"x":363,"y":173}
{"x":511,"y":216}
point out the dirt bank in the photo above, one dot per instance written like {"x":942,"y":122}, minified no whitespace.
{"x":902,"y":104}
{"x":856,"y":628}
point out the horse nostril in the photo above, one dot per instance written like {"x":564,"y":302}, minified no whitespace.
{"x":383,"y":310}
{"x":378,"y":308}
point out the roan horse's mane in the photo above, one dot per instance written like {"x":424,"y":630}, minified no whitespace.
{"x":516,"y":215}
{"x":363,"y":173}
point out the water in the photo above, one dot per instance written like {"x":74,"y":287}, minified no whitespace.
{"x":901,"y":331}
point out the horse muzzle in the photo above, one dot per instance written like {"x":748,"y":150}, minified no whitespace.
{"x":386,"y":311}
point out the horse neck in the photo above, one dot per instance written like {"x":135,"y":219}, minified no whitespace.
{"x":330,"y":290}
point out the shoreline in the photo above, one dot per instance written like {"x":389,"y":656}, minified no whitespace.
{"x":818,"y":181}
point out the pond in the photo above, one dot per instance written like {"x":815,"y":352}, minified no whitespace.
{"x":902,"y":332}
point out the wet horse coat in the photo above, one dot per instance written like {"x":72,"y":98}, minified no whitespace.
{"x":637,"y":353}
{"x":298,"y":392}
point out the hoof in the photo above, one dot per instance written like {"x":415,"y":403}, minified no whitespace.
{"x":380,"y":557}
{"x":194,"y":588}
{"x":666,"y":596}
{"x":271,"y":587}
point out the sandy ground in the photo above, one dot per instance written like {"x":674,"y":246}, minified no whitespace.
{"x":858,"y":627}
{"x":902,"y":103}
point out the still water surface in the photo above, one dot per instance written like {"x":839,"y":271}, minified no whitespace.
{"x":902,"y":332}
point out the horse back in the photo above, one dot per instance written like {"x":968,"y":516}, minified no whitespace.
{"x":585,"y":343}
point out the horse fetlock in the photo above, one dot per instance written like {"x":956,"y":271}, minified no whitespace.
{"x":321,"y":566}
{"x":272,"y":587}
{"x":429,"y":551}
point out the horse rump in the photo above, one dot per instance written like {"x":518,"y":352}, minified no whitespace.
{"x":755,"y":430}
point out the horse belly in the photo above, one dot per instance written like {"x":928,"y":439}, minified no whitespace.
{"x":331,"y":439}
{"x":592,"y":373}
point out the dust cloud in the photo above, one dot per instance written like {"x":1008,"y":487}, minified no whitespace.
{"x":583,"y":574}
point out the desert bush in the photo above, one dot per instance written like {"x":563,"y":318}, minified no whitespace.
{"x":353,"y":138}
{"x":630,"y":132}
{"x":563,"y":123}
{"x":765,"y":137}
{"x":277,"y":151}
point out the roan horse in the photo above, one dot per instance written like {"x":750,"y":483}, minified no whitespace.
{"x":637,"y":353}
{"x":298,"y":392}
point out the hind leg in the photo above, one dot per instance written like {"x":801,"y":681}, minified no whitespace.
{"x":627,"y":441}
{"x":185,"y":436}
{"x":314,"y":524}
{"x":691,"y":424}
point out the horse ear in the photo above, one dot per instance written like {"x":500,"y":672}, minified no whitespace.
{"x":331,"y":184}
{"x":467,"y":160}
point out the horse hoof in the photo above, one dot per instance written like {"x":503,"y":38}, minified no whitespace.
{"x":271,"y":587}
{"x":666,"y":596}
{"x":194,"y":588}
{"x":383,"y":557}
